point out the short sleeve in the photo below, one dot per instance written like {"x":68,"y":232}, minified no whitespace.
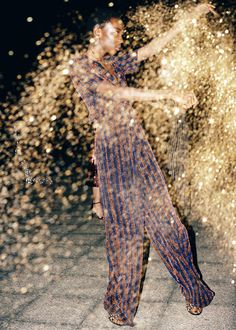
{"x":83,"y":78}
{"x":128,"y":62}
{"x":85,"y":82}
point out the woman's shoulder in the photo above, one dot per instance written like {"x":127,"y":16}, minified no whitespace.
{"x":79,"y":59}
{"x":80,"y":66}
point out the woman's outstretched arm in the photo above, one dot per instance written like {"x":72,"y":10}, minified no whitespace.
{"x":158,"y":43}
{"x":109,"y":90}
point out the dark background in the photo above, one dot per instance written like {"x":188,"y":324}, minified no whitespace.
{"x":20,"y":36}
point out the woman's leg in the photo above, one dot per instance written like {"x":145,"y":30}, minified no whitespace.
{"x":124,"y":228}
{"x":167,"y":233}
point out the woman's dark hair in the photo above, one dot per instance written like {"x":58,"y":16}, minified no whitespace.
{"x":101,"y":16}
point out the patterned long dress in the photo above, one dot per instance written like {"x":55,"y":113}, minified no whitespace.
{"x":133,"y":192}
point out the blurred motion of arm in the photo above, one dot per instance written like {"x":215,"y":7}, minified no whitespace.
{"x":132,"y":94}
{"x":185,"y":99}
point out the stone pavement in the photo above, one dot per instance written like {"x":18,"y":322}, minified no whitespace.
{"x":72,"y":297}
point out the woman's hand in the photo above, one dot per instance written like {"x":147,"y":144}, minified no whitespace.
{"x":92,"y":156}
{"x":203,"y":9}
{"x":186,"y":100}
{"x":197,"y":11}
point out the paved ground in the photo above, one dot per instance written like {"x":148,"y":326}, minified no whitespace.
{"x":72,"y":298}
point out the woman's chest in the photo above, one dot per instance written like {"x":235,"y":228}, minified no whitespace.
{"x":109,"y":73}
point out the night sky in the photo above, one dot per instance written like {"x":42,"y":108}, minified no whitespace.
{"x":19,"y":35}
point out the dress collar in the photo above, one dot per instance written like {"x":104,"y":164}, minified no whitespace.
{"x":102,"y":71}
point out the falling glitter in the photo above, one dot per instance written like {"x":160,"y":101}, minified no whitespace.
{"x":201,"y":143}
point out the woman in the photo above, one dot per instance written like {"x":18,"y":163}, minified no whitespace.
{"x":133,"y":190}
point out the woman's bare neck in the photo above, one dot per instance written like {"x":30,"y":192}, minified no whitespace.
{"x":95,"y":54}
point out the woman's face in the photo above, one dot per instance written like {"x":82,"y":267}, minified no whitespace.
{"x":111,"y":36}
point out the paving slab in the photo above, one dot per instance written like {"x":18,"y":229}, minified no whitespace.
{"x":213,"y":317}
{"x":56,"y":310}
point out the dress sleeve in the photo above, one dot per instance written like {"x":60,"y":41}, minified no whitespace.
{"x":85,"y":83}
{"x":128,"y":62}
{"x":83,"y":78}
